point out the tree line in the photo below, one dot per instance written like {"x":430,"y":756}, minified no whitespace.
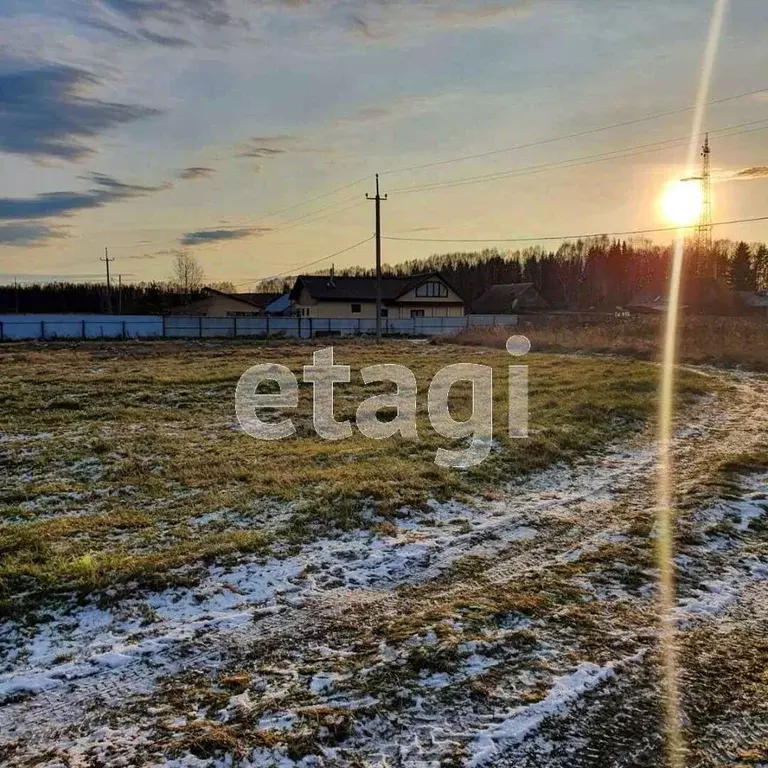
{"x":598,"y":273}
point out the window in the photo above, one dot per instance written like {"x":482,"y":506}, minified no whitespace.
{"x":385,"y":313}
{"x":417,"y":313}
{"x":432,"y":289}
{"x":356,"y":309}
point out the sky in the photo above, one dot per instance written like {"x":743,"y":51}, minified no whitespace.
{"x":249,"y":131}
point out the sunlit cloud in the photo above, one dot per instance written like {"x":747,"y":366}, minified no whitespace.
{"x":755,"y":172}
{"x":204,"y":236}
{"x":195,"y":172}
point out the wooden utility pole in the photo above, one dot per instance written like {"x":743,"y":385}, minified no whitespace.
{"x":377,"y":199}
{"x":106,"y":260}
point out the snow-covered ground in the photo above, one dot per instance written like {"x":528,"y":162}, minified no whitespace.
{"x":459,"y":636}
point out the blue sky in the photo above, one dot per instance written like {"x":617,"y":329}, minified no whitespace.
{"x":152,"y":125}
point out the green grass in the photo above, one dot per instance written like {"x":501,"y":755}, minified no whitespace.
{"x":116,"y":450}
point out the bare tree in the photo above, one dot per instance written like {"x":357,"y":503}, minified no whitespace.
{"x":187,"y":274}
{"x":225,"y":286}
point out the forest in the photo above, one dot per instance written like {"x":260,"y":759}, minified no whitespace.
{"x":596,"y":274}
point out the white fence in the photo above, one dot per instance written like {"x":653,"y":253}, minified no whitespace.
{"x":50,"y":327}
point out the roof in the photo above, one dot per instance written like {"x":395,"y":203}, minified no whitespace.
{"x":698,"y":294}
{"x":200,"y":305}
{"x":280,"y":304}
{"x":754,"y":298}
{"x":325,"y":288}
{"x":259,"y":300}
{"x":649,"y":300}
{"x":502,"y":298}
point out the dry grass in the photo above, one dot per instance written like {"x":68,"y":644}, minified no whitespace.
{"x":723,"y":341}
{"x":121,"y":463}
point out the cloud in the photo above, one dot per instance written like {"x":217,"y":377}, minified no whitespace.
{"x":162,"y":22}
{"x":172,"y":11}
{"x":195,"y":172}
{"x":255,"y":151}
{"x":155,"y":254}
{"x":483,"y":12}
{"x":217,"y":235}
{"x":43,"y":113}
{"x":28,"y":233}
{"x":263,"y":146}
{"x":755,"y":172}
{"x":49,"y":204}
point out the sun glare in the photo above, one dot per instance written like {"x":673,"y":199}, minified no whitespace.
{"x":682,"y":203}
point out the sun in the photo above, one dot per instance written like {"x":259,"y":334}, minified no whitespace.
{"x":682,"y":202}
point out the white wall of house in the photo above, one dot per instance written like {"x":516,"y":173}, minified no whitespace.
{"x":448,"y":305}
{"x":367,"y":309}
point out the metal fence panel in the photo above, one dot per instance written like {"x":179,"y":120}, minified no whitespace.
{"x":191,"y":327}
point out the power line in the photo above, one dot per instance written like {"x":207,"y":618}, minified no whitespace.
{"x":567,"y":237}
{"x":314,"y":199}
{"x":568,"y":136}
{"x":312,"y":215}
{"x":616,"y":154}
{"x":298,"y":268}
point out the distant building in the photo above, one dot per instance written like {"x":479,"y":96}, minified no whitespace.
{"x":219,"y":304}
{"x":280,"y":306}
{"x":259,"y":300}
{"x":698,"y":295}
{"x":754,"y":302}
{"x":510,"y":299}
{"x":427,"y":295}
{"x":648,"y":302}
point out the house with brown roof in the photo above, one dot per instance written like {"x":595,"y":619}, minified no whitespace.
{"x":216,"y":303}
{"x":510,"y":299}
{"x":328,"y":296}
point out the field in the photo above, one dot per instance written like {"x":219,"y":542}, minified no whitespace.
{"x":723,"y":341}
{"x":174,"y":592}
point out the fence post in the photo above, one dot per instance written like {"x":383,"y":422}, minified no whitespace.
{"x":163,"y":316}
{"x":234,"y":327}
{"x":267,"y":326}
{"x":2,"y":333}
{"x":42,"y":330}
{"x":199,"y":326}
{"x":467,"y":322}
{"x":124,"y":335}
{"x":311,"y":332}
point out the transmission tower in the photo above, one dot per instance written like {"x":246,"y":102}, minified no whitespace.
{"x":704,"y":228}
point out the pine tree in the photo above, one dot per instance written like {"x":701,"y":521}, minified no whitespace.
{"x":741,"y":275}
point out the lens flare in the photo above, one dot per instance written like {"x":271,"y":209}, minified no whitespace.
{"x":683,"y":202}
{"x":665,"y":513}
